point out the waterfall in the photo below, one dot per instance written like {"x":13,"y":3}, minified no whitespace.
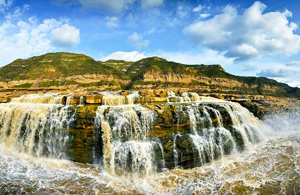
{"x":49,"y":98}
{"x":210,"y":141}
{"x":244,"y":123}
{"x":81,"y":99}
{"x":175,"y":150}
{"x":115,"y":99}
{"x":213,"y":136}
{"x":171,"y":97}
{"x":194,"y":97}
{"x":188,"y":131}
{"x":135,"y":146}
{"x":132,"y":97}
{"x":217,"y":128}
{"x":33,"y":124}
{"x":188,"y":97}
{"x":126,"y":142}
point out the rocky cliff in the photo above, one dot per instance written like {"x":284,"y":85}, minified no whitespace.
{"x":139,"y":131}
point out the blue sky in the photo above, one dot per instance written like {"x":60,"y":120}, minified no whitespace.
{"x":249,"y":38}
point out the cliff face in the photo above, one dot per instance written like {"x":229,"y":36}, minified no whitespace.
{"x":157,"y":73}
{"x":80,"y":72}
{"x":175,"y":122}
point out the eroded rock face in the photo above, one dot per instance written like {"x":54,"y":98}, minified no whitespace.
{"x":181,"y":132}
{"x":169,"y":128}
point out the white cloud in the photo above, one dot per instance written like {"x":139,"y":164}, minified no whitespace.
{"x":278,"y":72}
{"x":66,"y":36}
{"x":135,"y":37}
{"x":293,"y":83}
{"x":127,"y":56}
{"x":204,"y":57}
{"x":198,"y":8}
{"x":204,"y":15}
{"x":112,"y":22}
{"x":25,"y":38}
{"x":138,"y":41}
{"x":151,"y":3}
{"x":4,"y":4}
{"x":248,"y":36}
{"x":293,"y":63}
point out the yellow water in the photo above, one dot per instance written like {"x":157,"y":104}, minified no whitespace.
{"x":271,"y":167}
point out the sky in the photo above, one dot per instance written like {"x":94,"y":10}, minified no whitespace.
{"x":248,"y":38}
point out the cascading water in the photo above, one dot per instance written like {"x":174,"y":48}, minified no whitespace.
{"x":211,"y":135}
{"x":114,"y":99}
{"x":49,"y":98}
{"x":125,"y":138}
{"x":33,"y":124}
{"x":142,"y":140}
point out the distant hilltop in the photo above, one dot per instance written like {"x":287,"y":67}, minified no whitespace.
{"x":80,"y":72}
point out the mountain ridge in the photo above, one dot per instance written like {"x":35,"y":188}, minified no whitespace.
{"x":65,"y":70}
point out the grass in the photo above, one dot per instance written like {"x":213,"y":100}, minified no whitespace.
{"x":59,"y":65}
{"x":25,"y":85}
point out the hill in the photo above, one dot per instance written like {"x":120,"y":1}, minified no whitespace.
{"x":119,"y":64}
{"x":59,"y":69}
{"x":158,"y":73}
{"x":78,"y":71}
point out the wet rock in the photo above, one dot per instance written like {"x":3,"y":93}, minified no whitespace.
{"x":93,"y":99}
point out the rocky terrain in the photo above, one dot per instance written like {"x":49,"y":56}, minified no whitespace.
{"x":68,"y":71}
{"x":86,"y":140}
{"x":79,"y":79}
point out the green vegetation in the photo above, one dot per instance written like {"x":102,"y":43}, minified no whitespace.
{"x":25,"y":85}
{"x":55,"y":66}
{"x":137,"y":69}
{"x":94,"y":84}
{"x":120,"y":65}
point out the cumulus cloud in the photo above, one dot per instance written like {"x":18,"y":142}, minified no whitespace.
{"x":198,"y":8}
{"x":23,"y":38}
{"x":247,"y":36}
{"x":66,"y":36}
{"x":127,"y":56}
{"x":204,"y":57}
{"x":204,"y":15}
{"x":112,"y":22}
{"x":278,"y":72}
{"x":135,"y":37}
{"x":293,"y":83}
{"x":293,"y":63}
{"x":138,"y":41}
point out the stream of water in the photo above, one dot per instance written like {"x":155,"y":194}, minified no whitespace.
{"x":247,"y":157}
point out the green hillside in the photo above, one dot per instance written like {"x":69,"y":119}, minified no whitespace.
{"x":140,"y":67}
{"x":118,"y":64}
{"x":52,"y":67}
{"x":55,"y":65}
